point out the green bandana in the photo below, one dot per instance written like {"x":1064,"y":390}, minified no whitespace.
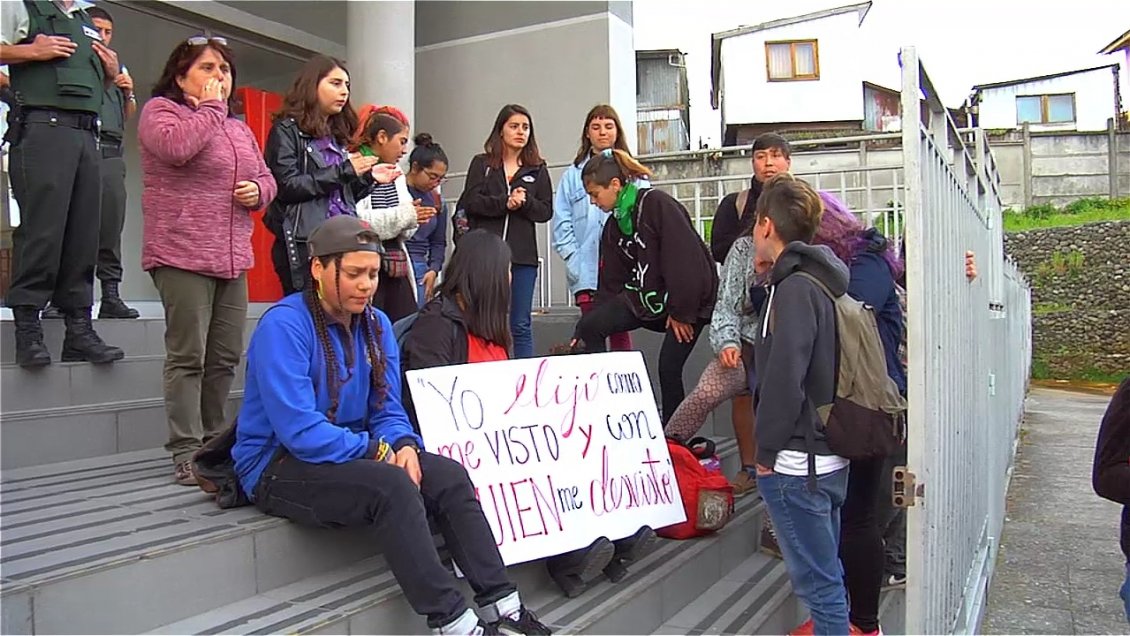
{"x":366,"y":151}
{"x":625,"y":203}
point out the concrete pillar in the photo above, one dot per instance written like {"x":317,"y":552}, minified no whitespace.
{"x":381,"y":53}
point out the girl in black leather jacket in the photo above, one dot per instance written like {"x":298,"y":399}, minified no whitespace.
{"x":306,"y":153}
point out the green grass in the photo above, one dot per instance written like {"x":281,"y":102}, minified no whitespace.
{"x":1045,"y":308}
{"x":1081,"y":212}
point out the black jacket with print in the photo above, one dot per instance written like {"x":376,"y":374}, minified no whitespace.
{"x":484,"y":199}
{"x":664,"y":268}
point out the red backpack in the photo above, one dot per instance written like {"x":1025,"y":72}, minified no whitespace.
{"x":708,"y":497}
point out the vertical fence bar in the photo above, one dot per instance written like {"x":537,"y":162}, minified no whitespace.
{"x":916,"y":557}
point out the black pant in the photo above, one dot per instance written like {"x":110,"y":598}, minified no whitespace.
{"x":892,"y":520}
{"x":615,"y":316}
{"x":378,"y":495}
{"x":279,"y":259}
{"x":861,"y":543}
{"x":56,"y":173}
{"x":113,"y":215}
{"x":395,"y":296}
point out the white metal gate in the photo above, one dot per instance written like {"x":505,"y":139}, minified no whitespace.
{"x":969,"y":350}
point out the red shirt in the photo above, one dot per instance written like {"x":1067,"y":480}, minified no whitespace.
{"x":481,"y":350}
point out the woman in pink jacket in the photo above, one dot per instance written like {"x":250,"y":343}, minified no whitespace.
{"x":203,"y":174}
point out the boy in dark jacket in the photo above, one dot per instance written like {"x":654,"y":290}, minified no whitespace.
{"x":655,"y":271}
{"x":801,"y":480}
{"x":1111,"y":476}
{"x":772,"y":155}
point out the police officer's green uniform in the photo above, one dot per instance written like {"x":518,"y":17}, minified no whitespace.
{"x":109,"y":270}
{"x":55,"y":168}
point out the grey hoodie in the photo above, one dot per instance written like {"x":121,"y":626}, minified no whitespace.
{"x":795,"y":352}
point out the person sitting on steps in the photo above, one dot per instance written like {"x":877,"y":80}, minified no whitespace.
{"x":322,"y":439}
{"x":468,"y":321}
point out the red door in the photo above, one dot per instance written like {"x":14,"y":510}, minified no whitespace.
{"x":263,"y":284}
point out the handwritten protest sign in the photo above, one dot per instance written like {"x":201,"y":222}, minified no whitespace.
{"x":561,"y":450}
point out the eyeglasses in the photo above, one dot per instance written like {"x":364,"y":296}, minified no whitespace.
{"x":200,"y":40}
{"x":437,"y":178}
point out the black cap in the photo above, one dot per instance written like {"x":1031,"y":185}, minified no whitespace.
{"x":343,"y":234}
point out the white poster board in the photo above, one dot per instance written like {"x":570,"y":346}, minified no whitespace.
{"x":562,"y":450}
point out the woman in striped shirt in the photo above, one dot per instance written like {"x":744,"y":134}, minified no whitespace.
{"x":383,"y":133}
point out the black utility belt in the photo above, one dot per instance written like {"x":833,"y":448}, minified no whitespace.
{"x":70,"y":119}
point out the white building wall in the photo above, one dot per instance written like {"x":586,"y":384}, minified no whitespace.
{"x":751,"y":98}
{"x":1094,"y":101}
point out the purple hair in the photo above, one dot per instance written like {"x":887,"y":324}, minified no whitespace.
{"x":843,"y":232}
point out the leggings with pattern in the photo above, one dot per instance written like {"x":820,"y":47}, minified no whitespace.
{"x":716,"y":385}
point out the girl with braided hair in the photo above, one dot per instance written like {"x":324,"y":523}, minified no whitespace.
{"x":323,"y":440}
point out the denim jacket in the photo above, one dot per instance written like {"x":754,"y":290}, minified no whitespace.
{"x":577,"y":227}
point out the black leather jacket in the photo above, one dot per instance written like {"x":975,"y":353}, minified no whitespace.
{"x":305,"y":181}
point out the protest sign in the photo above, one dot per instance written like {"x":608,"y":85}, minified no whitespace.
{"x":561,"y":450}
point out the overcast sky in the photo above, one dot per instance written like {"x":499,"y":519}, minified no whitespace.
{"x":960,"y":42}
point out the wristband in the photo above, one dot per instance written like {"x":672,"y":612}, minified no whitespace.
{"x":383,"y":449}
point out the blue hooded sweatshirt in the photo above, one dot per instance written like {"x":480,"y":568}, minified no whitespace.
{"x":873,"y":283}
{"x":285,"y":396}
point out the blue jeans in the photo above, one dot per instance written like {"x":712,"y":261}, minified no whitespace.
{"x":808,"y":530}
{"x":523,"y":280}
{"x":1125,"y":593}
{"x":419,"y":269}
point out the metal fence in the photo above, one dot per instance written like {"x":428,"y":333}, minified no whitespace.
{"x":969,"y":349}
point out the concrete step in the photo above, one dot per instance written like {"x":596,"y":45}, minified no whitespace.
{"x":143,"y":336}
{"x":364,"y":598}
{"x":80,"y":384}
{"x":51,"y":435}
{"x":112,"y":545}
{"x":756,"y":597}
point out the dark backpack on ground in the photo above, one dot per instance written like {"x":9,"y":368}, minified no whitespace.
{"x":215,"y":470}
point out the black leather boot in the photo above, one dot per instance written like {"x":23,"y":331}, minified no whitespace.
{"x":51,"y":313}
{"x":630,"y":550}
{"x":30,"y":352}
{"x":112,"y":304}
{"x":82,"y":344}
{"x":573,"y":571}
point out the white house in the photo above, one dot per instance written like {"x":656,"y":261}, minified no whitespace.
{"x":803,"y":72}
{"x":1073,"y":100}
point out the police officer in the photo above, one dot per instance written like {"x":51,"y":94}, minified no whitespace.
{"x":59,"y":71}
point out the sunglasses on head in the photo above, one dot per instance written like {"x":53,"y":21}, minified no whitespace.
{"x":200,"y":40}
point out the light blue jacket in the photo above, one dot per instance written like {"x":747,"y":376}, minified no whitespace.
{"x":577,"y":226}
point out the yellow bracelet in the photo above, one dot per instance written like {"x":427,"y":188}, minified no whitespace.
{"x":383,"y":450}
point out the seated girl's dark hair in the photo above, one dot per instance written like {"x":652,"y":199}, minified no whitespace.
{"x":478,"y":274}
{"x":372,"y":330}
{"x":426,"y":152}
{"x":613,"y":164}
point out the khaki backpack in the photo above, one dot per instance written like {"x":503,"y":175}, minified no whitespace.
{"x":866,"y":419}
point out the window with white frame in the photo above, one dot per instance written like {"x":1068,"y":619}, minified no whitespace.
{"x":1045,"y":109}
{"x":792,"y":60}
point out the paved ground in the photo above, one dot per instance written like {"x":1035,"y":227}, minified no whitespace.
{"x":1060,"y":566}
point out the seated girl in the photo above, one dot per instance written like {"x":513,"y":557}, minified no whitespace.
{"x":655,"y":272}
{"x":322,"y":439}
{"x":468,"y":321}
